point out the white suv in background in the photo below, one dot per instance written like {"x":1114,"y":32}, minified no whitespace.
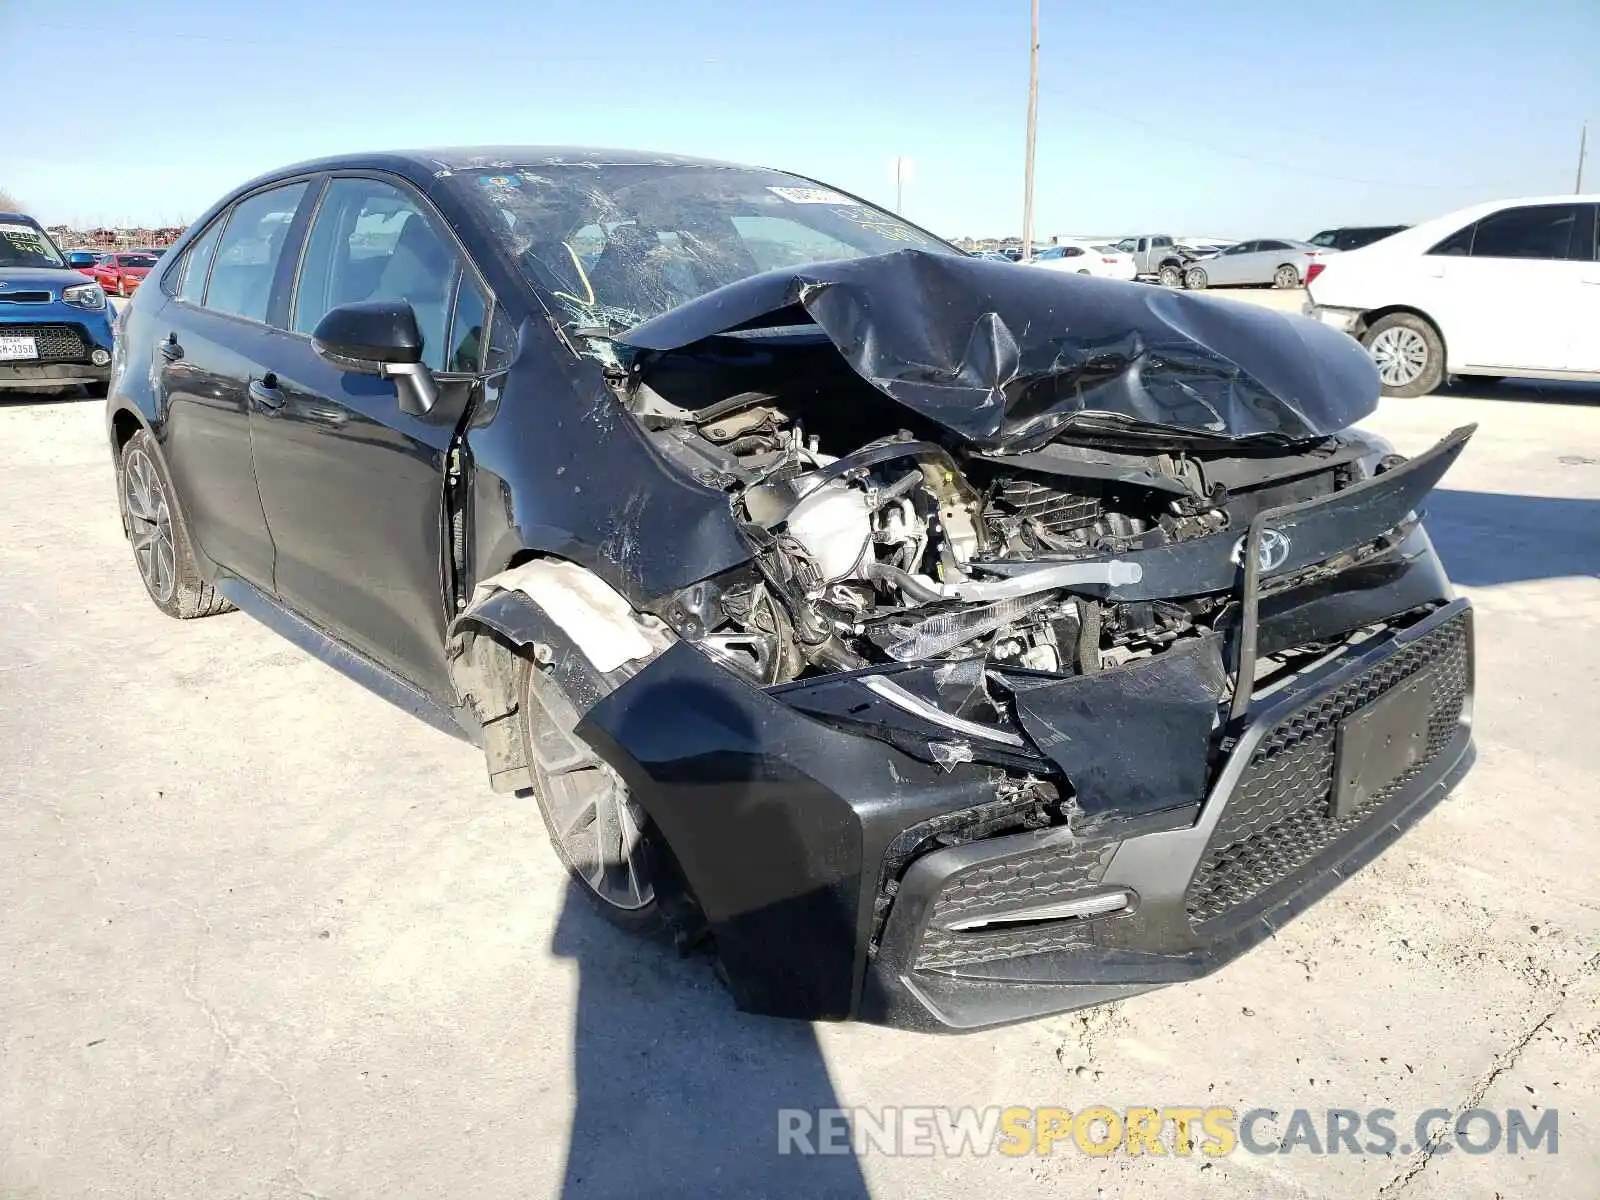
{"x":1511,"y":287}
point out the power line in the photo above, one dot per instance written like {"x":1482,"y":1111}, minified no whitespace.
{"x":1276,"y":164}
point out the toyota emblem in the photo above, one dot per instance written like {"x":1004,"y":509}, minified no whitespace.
{"x":1270,"y":555}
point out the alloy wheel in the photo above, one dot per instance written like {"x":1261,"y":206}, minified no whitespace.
{"x":1195,"y":278}
{"x":1401,"y":355}
{"x":1286,"y":277}
{"x":149,"y":525}
{"x":1171,"y":277}
{"x":596,"y":826}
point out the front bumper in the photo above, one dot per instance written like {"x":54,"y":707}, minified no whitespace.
{"x":788,"y":830}
{"x":1267,"y":843}
{"x":68,"y":340}
{"x":1345,"y":320}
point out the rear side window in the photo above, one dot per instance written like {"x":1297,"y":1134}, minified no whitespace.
{"x":1550,"y":232}
{"x":197,"y":265}
{"x":247,"y":256}
{"x":372,"y":241}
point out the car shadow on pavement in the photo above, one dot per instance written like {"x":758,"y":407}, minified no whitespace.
{"x":1537,"y":391}
{"x":1486,"y":538}
{"x":678,"y":1093}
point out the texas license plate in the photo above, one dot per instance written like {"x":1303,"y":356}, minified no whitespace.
{"x":14,"y":348}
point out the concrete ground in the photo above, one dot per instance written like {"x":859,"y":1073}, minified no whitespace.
{"x":262,"y":935}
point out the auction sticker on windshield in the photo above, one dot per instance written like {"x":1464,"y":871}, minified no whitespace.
{"x":15,"y":348}
{"x":803,"y":195}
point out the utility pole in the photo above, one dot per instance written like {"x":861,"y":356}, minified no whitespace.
{"x":1583,"y":142}
{"x":1033,"y":131}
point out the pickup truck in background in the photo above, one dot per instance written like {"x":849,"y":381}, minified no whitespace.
{"x":1156,"y":256}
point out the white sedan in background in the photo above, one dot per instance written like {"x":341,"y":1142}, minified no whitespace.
{"x":1505,"y":288}
{"x":1280,"y":262}
{"x":1085,"y":258}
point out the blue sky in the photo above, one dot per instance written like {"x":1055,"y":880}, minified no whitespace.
{"x":1235,"y":117}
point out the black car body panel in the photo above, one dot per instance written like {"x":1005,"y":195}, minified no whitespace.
{"x":1007,"y":359}
{"x":907,"y":782}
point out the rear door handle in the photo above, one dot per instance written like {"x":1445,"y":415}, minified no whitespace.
{"x":170,"y":350}
{"x":265,"y":391}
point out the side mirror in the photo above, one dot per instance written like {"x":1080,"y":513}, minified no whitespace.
{"x":379,"y":337}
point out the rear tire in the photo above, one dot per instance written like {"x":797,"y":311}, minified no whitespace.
{"x":1285,"y":277}
{"x":1171,"y":275}
{"x":161,"y":547}
{"x":1408,"y":352}
{"x":1195,"y":279}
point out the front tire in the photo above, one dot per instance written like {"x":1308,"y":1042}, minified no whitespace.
{"x":1171,"y":276}
{"x":1285,"y":277}
{"x":604,"y":838}
{"x":161,"y":547}
{"x":122,"y":287}
{"x":1195,"y":279}
{"x":1408,"y":352}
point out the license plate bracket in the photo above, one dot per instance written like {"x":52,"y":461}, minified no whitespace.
{"x":18,"y":349}
{"x":1379,"y":742}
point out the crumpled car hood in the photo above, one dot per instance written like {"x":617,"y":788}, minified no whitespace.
{"x":1006,"y":357}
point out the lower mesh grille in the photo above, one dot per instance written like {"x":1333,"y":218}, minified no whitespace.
{"x":1279,"y":817}
{"x":1049,"y":873}
{"x":54,"y":343}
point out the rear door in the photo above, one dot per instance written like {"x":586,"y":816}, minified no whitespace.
{"x":212,"y":334}
{"x":1583,"y":349}
{"x":1510,"y":287}
{"x":354,"y":488}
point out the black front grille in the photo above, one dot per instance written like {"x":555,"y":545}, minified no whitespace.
{"x":1050,"y":873}
{"x":55,"y":343}
{"x":1279,"y":817}
{"x":24,"y":297}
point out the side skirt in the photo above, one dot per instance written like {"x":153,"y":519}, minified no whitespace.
{"x":342,"y":658}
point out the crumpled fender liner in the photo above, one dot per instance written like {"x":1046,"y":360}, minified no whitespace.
{"x":519,"y":615}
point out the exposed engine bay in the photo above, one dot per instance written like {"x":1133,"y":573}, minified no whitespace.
{"x":898,"y":549}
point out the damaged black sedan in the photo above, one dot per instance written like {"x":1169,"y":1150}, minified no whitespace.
{"x":941,"y":643}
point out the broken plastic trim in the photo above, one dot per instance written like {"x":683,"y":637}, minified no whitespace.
{"x":915,"y":705}
{"x":1080,"y":908}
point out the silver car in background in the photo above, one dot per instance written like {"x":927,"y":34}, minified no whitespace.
{"x":1280,"y":262}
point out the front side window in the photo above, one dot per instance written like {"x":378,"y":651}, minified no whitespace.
{"x":466,"y":326}
{"x":196,"y":265}
{"x":613,"y":245}
{"x":372,"y":241}
{"x":247,"y":254}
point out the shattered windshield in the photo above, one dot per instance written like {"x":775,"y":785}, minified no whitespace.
{"x":617,"y":245}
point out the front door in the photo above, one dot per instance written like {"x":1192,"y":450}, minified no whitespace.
{"x":354,"y":488}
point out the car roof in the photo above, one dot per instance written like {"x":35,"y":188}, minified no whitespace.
{"x":17,"y":216}
{"x":442,"y":160}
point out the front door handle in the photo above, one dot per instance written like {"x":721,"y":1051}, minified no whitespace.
{"x":170,"y":350}
{"x":265,"y":391}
